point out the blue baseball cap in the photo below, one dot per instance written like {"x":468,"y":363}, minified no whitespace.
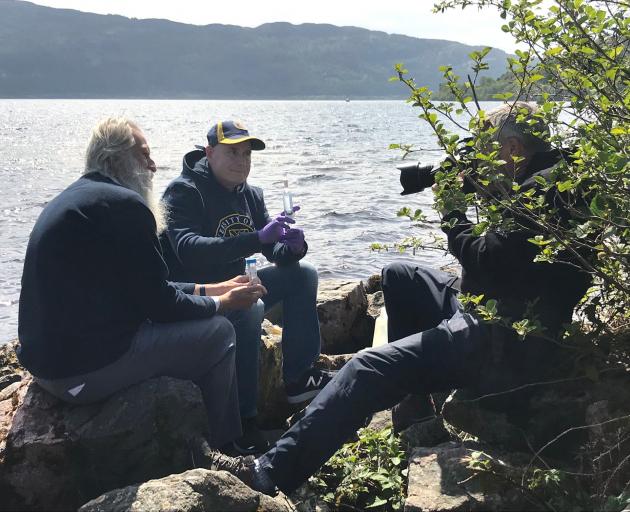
{"x":232,"y":132}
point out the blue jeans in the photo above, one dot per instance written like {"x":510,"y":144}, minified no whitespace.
{"x":296,"y":286}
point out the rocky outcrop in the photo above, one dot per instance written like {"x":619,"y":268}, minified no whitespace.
{"x":197,"y":490}
{"x":58,"y":456}
{"x":346,"y":311}
{"x":440,"y":480}
{"x":273,"y":407}
{"x":425,"y":433}
{"x":10,"y":369}
{"x":529,"y":418}
{"x":342,"y":309}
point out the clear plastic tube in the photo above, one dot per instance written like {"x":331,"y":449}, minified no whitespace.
{"x":250,"y":269}
{"x":287,"y":198}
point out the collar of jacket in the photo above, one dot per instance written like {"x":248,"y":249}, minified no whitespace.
{"x":196,"y":165}
{"x":542,"y":164}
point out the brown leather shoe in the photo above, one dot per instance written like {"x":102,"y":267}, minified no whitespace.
{"x":243,"y":468}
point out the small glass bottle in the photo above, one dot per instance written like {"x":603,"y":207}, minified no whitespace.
{"x":250,"y":269}
{"x":287,"y":198}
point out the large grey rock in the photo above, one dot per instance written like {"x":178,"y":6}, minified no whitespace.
{"x":273,"y":408}
{"x":306,"y":499}
{"x":58,"y":456}
{"x":376,"y":301}
{"x":373,"y":284}
{"x":332,"y":362}
{"x":439,"y":480}
{"x":10,"y":369}
{"x":13,"y":381}
{"x":381,"y":420}
{"x":342,"y":307}
{"x":198,"y":490}
{"x":10,"y":399}
{"x":608,"y":450}
{"x":425,"y":433}
{"x":531,"y":417}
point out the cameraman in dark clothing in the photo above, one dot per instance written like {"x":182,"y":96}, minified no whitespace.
{"x":498,"y":265}
{"x":438,"y":346}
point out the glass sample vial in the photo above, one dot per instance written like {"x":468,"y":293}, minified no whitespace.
{"x":287,"y":198}
{"x":250,"y":269}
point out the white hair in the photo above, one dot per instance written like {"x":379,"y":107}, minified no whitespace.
{"x":110,"y":152}
{"x":112,"y":140}
{"x":506,"y":118}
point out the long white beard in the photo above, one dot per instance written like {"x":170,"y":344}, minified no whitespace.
{"x":157,"y":209}
{"x":130,"y":174}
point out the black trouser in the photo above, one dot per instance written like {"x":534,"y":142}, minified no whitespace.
{"x":441,"y":358}
{"x":417,"y":299}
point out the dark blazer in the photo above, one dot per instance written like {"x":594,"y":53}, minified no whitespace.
{"x":93,"y":273}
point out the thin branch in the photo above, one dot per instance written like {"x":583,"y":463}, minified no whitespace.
{"x":574,"y":429}
{"x":536,"y":384}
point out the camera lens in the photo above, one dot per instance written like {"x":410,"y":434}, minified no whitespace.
{"x":415,"y":177}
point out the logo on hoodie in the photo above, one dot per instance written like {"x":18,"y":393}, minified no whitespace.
{"x":234,"y":224}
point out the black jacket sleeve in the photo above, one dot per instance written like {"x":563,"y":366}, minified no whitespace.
{"x":488,"y":257}
{"x":143,"y":268}
{"x":195,"y":251}
{"x":188,"y":288}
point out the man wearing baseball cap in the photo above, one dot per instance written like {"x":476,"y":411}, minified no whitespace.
{"x":216,"y":220}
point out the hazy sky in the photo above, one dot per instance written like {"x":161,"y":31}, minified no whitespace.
{"x":409,"y":17}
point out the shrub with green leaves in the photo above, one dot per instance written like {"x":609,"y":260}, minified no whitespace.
{"x":574,"y":61}
{"x":575,"y":64}
{"x":368,"y":474}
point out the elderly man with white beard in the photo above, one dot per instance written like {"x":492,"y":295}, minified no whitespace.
{"x":96,"y":312}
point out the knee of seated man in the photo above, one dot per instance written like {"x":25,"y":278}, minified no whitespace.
{"x":308,"y":270}
{"x":216,"y":332}
{"x":253,"y":315}
{"x":395,"y":273}
{"x":305,"y":273}
{"x":364,"y":364}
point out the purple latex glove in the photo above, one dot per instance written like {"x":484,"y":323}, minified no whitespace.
{"x":294,"y":238}
{"x":272,"y":232}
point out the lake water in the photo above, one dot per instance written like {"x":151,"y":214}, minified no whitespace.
{"x":336,"y":154}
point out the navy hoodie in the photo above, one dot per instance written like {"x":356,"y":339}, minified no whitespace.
{"x":93,"y":273}
{"x":211,"y":230}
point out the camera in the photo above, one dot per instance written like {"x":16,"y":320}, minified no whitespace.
{"x":416,"y":176}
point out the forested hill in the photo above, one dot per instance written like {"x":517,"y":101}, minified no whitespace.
{"x":60,"y":53}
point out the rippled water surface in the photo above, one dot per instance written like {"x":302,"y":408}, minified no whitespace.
{"x":336,"y":153}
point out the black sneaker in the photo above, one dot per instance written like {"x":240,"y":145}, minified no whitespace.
{"x":252,"y":441}
{"x":311,"y":383}
{"x":245,"y":469}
